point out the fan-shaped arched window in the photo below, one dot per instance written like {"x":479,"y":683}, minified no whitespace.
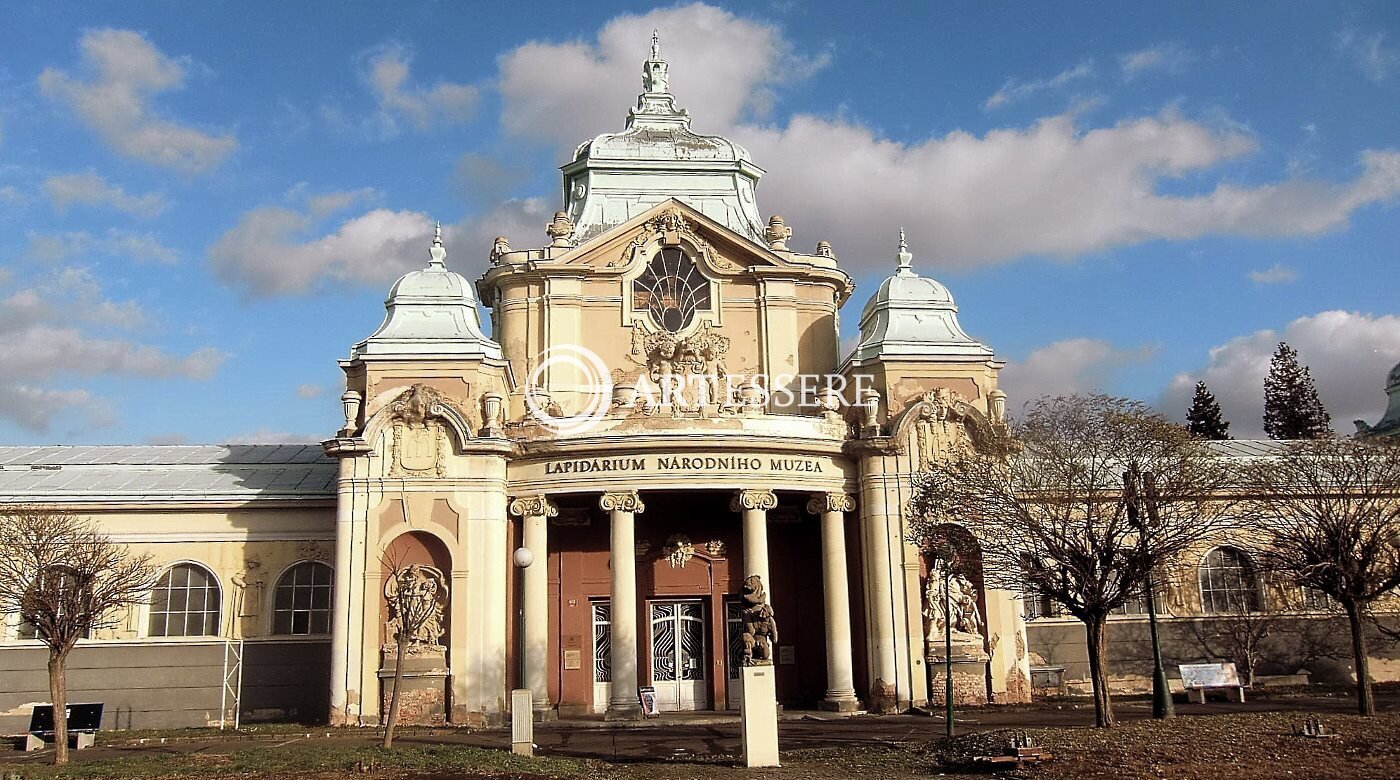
{"x":185,"y":602}
{"x":302,"y":603}
{"x":671,"y":289}
{"x":1228,"y":583}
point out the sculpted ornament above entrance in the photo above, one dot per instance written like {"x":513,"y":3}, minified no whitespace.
{"x":947,"y":425}
{"x":419,"y":440}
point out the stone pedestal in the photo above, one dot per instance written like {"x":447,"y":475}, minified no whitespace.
{"x":759,"y":708}
{"x":422,"y":691}
{"x":969,"y":676}
{"x":522,"y":723}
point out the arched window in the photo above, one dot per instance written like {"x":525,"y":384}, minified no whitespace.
{"x":671,"y":289}
{"x":185,"y":602}
{"x":1228,"y":584}
{"x":303,"y":600}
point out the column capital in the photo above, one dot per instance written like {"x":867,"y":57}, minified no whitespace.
{"x":534,"y":506}
{"x":830,"y":502}
{"x":753,"y":499}
{"x":622,"y":501}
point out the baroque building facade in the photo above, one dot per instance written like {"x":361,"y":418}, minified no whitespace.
{"x":572,"y":502}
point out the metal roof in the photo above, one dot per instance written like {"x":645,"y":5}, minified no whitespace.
{"x":166,"y":474}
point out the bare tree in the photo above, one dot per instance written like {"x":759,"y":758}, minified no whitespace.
{"x":65,"y":579}
{"x":1050,"y":514}
{"x":415,"y":595}
{"x":1330,"y":509}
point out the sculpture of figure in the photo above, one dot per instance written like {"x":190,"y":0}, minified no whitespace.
{"x":416,"y":594}
{"x":499,"y":247}
{"x":714,"y":372}
{"x":760,"y":629}
{"x":966,"y":618}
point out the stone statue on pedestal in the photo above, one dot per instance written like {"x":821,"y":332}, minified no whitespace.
{"x":760,"y":630}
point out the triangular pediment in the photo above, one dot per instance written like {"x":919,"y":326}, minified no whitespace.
{"x":719,"y":249}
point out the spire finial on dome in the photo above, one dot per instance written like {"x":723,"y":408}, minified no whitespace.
{"x":904,"y":268}
{"x":437,"y":255}
{"x":654,"y":70}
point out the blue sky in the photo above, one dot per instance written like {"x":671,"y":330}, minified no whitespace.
{"x":201,"y":206}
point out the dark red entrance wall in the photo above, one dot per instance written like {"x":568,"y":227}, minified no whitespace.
{"x":578,"y":572}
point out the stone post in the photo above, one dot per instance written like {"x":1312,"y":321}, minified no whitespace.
{"x":535,"y":512}
{"x":622,"y":508}
{"x":836,"y":601}
{"x":755,"y":505}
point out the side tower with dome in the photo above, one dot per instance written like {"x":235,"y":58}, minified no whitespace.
{"x":1389,"y":425}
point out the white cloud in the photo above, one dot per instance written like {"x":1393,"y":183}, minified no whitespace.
{"x":721,"y":67}
{"x":1014,"y":90}
{"x":59,"y":247}
{"x":1165,"y":57}
{"x":124,"y":74}
{"x":1278,"y":273}
{"x":269,"y":251}
{"x":1067,"y":366}
{"x":309,"y":391}
{"x":1369,"y":52}
{"x":1348,"y":354}
{"x":1052,"y":188}
{"x":387,"y":73}
{"x":269,"y":436}
{"x":90,"y":189}
{"x":277,"y":251}
{"x":12,"y":196}
{"x":35,"y":408}
{"x":167,"y":439}
{"x":60,"y":327}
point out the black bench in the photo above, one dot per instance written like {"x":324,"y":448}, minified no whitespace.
{"x":83,"y":722}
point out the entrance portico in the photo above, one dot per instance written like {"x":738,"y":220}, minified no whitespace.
{"x":668,"y":609}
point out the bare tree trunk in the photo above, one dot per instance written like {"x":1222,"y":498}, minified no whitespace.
{"x":1361,"y":658}
{"x":58,"y":691}
{"x":1096,"y":635}
{"x":393,"y":719}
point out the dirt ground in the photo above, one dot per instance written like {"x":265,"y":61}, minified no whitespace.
{"x":1215,"y":741}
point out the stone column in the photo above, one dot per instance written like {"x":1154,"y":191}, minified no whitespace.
{"x":535,"y":512}
{"x":836,"y":600}
{"x":755,"y":505}
{"x":342,"y":711}
{"x":622,"y":508}
{"x":879,"y":583}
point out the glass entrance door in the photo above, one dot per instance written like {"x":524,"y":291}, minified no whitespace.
{"x":679,"y":656}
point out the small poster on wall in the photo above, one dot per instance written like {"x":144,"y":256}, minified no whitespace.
{"x":647,"y":696}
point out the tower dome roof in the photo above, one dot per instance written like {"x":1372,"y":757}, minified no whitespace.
{"x":1392,"y":380}
{"x":616,"y":176}
{"x":430,"y":312}
{"x":913,"y":317}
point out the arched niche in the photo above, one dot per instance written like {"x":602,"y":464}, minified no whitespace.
{"x":407,"y":549}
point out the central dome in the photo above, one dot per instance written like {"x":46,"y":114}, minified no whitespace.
{"x":616,"y":176}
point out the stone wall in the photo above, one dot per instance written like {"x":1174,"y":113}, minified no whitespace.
{"x":147,"y":685}
{"x":1319,"y":644}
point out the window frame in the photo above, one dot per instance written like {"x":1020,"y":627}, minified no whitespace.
{"x":149,"y":611}
{"x":273,"y":611}
{"x":1248,"y":584}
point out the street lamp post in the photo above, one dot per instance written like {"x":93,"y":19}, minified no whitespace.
{"x":945,"y":556}
{"x":522,"y":718}
{"x":1162,"y":707}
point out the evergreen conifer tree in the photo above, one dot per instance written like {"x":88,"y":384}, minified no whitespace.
{"x":1204,"y":418}
{"x":1292,"y":409}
